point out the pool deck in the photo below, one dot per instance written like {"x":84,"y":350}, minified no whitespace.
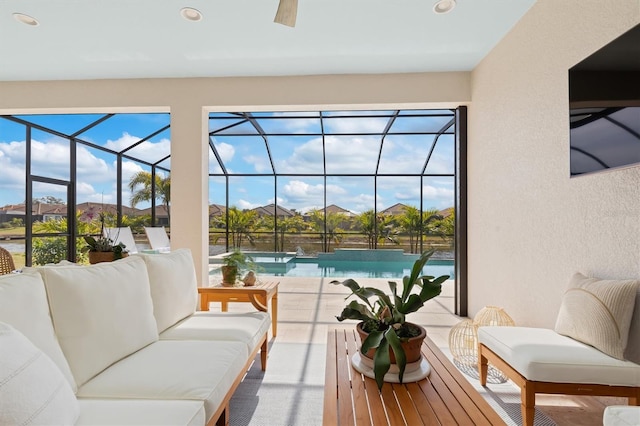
{"x":308,"y":307}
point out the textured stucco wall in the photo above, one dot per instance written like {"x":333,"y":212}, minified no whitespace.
{"x":531,"y":226}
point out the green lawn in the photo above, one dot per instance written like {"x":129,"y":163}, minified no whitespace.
{"x":9,"y":232}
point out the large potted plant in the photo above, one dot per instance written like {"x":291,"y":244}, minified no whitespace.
{"x":233,"y":265}
{"x":385,"y":333}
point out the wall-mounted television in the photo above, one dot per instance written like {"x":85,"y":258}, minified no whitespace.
{"x":604,"y":107}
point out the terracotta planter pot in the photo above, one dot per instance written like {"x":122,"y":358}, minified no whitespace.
{"x":103,"y":256}
{"x":411,"y":347}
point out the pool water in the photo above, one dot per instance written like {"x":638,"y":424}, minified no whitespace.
{"x":292,"y":266}
{"x":304,"y":267}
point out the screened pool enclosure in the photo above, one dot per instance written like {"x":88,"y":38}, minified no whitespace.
{"x":305,"y":182}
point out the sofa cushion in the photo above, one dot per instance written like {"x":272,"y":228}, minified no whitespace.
{"x":140,"y":412}
{"x":541,"y":354}
{"x":248,"y":328}
{"x":33,"y":390}
{"x":598,"y":312}
{"x":23,"y":304}
{"x":174,"y":287}
{"x":173,"y":369}
{"x":101,"y":313}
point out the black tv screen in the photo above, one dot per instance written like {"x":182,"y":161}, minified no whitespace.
{"x":604,"y":102}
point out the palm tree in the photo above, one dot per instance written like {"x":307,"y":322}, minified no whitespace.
{"x":328,"y":227}
{"x":387,"y":229}
{"x":367,"y":223}
{"x":293,"y":224}
{"x":140,"y":187}
{"x":240,"y":225}
{"x":411,"y":223}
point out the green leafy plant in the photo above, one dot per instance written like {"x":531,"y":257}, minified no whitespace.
{"x":104,"y":243}
{"x":236,"y":263}
{"x":385,"y":318}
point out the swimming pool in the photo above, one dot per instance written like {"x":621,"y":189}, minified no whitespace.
{"x":349,"y":264}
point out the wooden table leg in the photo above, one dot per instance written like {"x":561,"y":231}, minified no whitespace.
{"x":274,"y":314}
{"x":224,"y":305}
{"x":204,"y":302}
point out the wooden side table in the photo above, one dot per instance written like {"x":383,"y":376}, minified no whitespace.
{"x":258,"y":295}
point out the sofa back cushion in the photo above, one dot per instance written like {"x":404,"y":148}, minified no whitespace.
{"x":23,"y":305}
{"x":33,"y":390}
{"x":101,"y":313}
{"x":174,"y":287}
{"x":598,"y":312}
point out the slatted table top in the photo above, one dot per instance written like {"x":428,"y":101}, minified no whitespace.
{"x":445,"y":397}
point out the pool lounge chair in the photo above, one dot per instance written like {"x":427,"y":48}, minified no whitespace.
{"x":158,"y":238}
{"x":122,"y":235}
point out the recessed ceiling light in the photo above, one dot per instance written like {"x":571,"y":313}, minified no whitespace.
{"x":26,"y":19}
{"x":444,"y":6}
{"x":191,"y":14}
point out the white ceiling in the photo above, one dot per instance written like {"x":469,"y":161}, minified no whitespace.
{"x":93,"y":39}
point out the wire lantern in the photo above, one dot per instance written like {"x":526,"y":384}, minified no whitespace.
{"x":493,"y":315}
{"x":463,"y":342}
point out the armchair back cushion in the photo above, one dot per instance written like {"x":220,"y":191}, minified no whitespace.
{"x":23,"y":305}
{"x":598,"y":312}
{"x":174,"y":287}
{"x":33,"y":391}
{"x":632,"y":352}
{"x":101,"y":313}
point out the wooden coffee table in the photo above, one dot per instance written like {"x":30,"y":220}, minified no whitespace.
{"x":258,"y":295}
{"x":445,"y":397}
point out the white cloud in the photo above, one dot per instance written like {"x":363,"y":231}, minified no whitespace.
{"x":50,"y":159}
{"x":90,"y":167}
{"x":260,"y":163}
{"x":12,"y":164}
{"x":243,"y":204}
{"x":148,"y":151}
{"x":225,"y":151}
{"x":356,"y":125}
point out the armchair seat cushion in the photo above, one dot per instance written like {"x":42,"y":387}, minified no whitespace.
{"x":621,"y":415}
{"x":543,"y":355}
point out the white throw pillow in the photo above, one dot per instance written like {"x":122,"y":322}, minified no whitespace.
{"x":174,"y":287}
{"x":33,"y":390}
{"x":101,"y":313}
{"x":598,"y":312}
{"x":24,"y":305}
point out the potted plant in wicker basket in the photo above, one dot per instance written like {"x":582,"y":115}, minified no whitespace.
{"x":103,"y":249}
{"x":386,"y":336}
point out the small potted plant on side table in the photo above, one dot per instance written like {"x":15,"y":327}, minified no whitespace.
{"x":387,"y":338}
{"x":233,"y":265}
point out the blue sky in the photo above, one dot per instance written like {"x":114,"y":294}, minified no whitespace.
{"x":300,"y":151}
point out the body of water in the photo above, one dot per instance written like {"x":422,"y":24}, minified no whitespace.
{"x":288,"y":265}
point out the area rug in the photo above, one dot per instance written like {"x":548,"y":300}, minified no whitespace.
{"x":291,"y":391}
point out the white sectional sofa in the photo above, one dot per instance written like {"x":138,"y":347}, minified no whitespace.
{"x":120,"y":343}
